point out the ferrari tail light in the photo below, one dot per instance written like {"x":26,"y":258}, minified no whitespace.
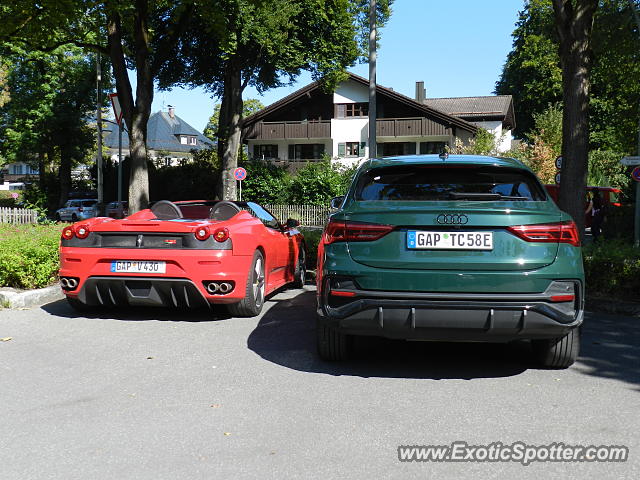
{"x":82,"y":231}
{"x":221,"y":235}
{"x":202,"y":233}
{"x":341,"y":231}
{"x":67,"y":233}
{"x":565,"y":232}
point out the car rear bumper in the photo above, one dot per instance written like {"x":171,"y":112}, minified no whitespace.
{"x":451,"y":317}
{"x":183,"y":284}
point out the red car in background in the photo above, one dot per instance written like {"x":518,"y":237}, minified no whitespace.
{"x":611,"y":197}
{"x":182,"y":254}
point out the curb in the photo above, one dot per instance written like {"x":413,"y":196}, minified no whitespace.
{"x":14,"y":298}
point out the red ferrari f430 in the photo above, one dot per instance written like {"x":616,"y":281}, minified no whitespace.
{"x":184,"y":254}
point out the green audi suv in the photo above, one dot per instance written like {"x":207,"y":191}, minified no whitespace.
{"x":450,"y":248}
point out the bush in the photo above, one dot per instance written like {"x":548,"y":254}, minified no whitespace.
{"x":265,"y":183}
{"x":29,"y":255}
{"x":318,"y":182}
{"x":312,"y":239}
{"x":612,"y":270}
{"x":7,"y":199}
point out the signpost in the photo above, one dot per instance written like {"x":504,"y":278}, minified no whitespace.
{"x":117,"y":112}
{"x":635,"y":174}
{"x":559,"y":167}
{"x":240,"y":174}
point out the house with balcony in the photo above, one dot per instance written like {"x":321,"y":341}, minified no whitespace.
{"x":311,"y":123}
{"x":169,"y":139}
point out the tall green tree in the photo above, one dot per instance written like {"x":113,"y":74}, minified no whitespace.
{"x":264,"y":44}
{"x":45,"y":123}
{"x":250,"y":106}
{"x":140,"y":35}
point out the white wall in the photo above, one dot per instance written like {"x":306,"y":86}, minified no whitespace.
{"x":351,"y":92}
{"x":503,"y":137}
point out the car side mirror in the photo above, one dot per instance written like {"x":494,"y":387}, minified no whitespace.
{"x":292,"y":223}
{"x":336,"y":202}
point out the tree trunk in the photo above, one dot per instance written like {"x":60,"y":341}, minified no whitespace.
{"x":135,"y":114}
{"x":229,"y":131}
{"x":574,"y":22}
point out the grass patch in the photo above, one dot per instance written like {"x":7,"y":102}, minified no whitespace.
{"x":29,"y":255}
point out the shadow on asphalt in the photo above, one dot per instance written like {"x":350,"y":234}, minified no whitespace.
{"x":611,"y":348}
{"x":286,"y":336}
{"x":61,"y":308}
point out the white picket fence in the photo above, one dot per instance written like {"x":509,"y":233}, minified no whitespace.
{"x":307,"y":215}
{"x":18,"y":215}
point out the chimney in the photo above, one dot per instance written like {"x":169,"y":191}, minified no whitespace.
{"x":421,"y":92}
{"x":172,"y":111}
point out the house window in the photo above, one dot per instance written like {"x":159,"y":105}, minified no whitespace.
{"x":347,"y":110}
{"x":306,"y":151}
{"x":267,"y":152}
{"x":16,"y":169}
{"x":392,"y":149}
{"x":349,"y":149}
{"x":432,"y":147}
{"x":193,"y":141}
{"x":183,"y":139}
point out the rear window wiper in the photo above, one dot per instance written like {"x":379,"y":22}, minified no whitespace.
{"x":483,"y":196}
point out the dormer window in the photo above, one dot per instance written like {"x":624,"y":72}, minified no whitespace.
{"x":188,"y":140}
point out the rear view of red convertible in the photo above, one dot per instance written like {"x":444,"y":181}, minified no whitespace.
{"x":183,"y":254}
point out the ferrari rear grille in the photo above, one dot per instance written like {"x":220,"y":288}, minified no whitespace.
{"x":133,"y":291}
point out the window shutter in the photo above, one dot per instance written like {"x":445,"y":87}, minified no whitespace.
{"x":341,"y":109}
{"x":342,"y":150}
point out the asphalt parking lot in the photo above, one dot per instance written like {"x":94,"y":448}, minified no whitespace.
{"x":160,"y":394}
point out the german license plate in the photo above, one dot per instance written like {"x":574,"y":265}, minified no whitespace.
{"x":138,"y":266}
{"x":423,"y":240}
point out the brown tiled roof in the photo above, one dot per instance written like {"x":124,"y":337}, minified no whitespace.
{"x":498,"y":107}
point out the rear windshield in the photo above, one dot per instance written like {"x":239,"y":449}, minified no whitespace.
{"x":424,"y":183}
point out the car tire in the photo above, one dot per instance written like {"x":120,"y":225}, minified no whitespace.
{"x":558,"y":352}
{"x":74,"y":218}
{"x":333,"y":345}
{"x":300,"y":273}
{"x":253,"y":301}
{"x":58,"y":219}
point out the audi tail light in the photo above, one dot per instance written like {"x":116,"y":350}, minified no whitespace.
{"x":564,"y":232}
{"x":342,"y":231}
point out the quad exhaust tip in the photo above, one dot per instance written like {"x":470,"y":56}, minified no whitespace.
{"x":219,"y":287}
{"x":68,"y":283}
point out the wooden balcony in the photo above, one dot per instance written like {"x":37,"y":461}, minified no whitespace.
{"x":410,"y":127}
{"x":290,"y":130}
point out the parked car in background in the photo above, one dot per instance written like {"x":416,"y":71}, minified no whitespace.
{"x":450,"y":248}
{"x":611,"y":197}
{"x":117,"y":209}
{"x":75,"y":210}
{"x":183,"y":255}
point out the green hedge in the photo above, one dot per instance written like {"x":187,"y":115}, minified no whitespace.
{"x":612,"y":270}
{"x":29,"y":255}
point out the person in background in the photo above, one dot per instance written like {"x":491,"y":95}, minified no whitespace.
{"x":597,"y":215}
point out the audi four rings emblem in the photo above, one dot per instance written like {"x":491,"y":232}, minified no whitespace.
{"x":452,"y":219}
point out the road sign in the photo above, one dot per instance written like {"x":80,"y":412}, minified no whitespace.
{"x":115,"y":103}
{"x":559,"y":163}
{"x":240,"y":174}
{"x":630,"y":161}
{"x":635,"y":174}
{"x":558,"y":178}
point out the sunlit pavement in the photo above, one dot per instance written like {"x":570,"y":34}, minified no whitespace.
{"x":160,"y":394}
